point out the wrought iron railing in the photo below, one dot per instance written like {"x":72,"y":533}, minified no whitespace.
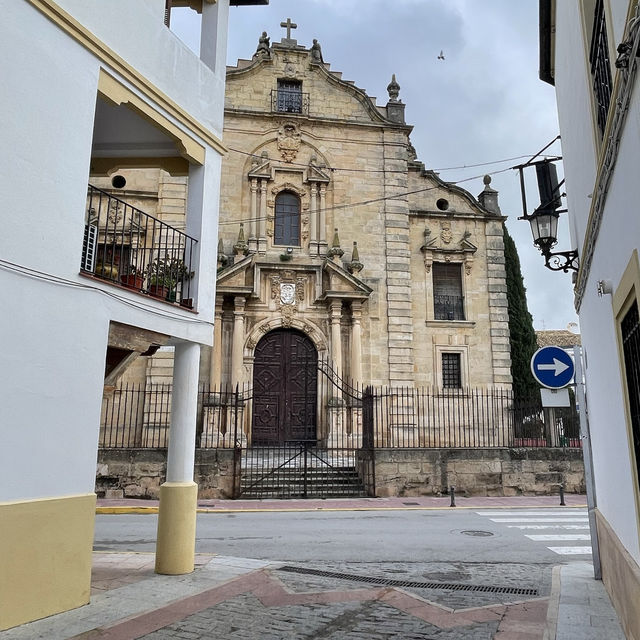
{"x":351,"y":417}
{"x":289,"y":101}
{"x":448,"y":307}
{"x":600,"y":66}
{"x":129,"y":247}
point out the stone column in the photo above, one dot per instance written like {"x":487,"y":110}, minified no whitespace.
{"x":262,"y":236}
{"x":336,"y":338}
{"x":253,"y":223}
{"x":175,"y":546}
{"x":237,"y":346}
{"x":322,"y":244}
{"x":215,"y":366}
{"x":313,"y":234}
{"x":356,"y":342}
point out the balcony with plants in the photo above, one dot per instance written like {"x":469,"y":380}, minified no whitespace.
{"x":130,"y":248}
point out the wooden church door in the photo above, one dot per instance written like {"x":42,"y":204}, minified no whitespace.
{"x":284,"y":388}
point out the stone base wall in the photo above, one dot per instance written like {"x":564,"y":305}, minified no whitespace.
{"x":478,"y":472}
{"x":138,"y":473}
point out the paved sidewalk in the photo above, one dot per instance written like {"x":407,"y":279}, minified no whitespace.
{"x":242,"y":599}
{"x":349,"y":504}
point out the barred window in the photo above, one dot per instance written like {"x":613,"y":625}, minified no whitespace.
{"x":290,"y":96}
{"x":287,"y":219}
{"x":451,"y":373}
{"x":448,"y":302}
{"x":630,"y":329}
{"x":600,"y":66}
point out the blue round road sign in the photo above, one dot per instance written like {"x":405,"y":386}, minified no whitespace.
{"x":552,"y":367}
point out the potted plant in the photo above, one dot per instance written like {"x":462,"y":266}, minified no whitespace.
{"x":132,"y":277}
{"x":164,"y":275}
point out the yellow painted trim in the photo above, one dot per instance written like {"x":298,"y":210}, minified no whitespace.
{"x":45,"y":557}
{"x":117,"y":94}
{"x":628,"y":292}
{"x":621,"y":577}
{"x":176,"y":545}
{"x":153,"y":510}
{"x":89,"y":41}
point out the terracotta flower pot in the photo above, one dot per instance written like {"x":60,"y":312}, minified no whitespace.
{"x":132,"y":281}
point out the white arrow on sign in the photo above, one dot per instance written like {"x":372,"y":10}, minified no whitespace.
{"x":558,"y":367}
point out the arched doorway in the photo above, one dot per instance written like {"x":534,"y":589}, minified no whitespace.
{"x":284,"y":388}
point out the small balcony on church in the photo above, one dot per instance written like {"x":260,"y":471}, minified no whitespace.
{"x":130,"y":248}
{"x":289,"y":98}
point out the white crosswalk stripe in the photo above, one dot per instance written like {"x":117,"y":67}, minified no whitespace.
{"x":555,"y":521}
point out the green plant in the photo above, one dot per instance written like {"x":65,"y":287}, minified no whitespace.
{"x":167,"y":271}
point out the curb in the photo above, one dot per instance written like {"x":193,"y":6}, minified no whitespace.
{"x":153,"y":510}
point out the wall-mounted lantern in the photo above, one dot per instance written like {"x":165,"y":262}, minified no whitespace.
{"x":544,"y":219}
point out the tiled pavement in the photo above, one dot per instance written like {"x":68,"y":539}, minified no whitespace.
{"x":242,"y":599}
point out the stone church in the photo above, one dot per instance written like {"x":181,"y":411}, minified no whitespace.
{"x":337,"y":244}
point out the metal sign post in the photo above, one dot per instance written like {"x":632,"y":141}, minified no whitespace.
{"x":588,"y":463}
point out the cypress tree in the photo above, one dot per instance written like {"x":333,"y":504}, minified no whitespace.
{"x":522,"y":335}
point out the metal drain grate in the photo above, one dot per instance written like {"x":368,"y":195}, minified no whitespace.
{"x":408,"y":583}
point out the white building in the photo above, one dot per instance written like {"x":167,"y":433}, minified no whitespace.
{"x":90,"y":87}
{"x":589,"y":51}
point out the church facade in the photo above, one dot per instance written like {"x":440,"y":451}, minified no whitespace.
{"x":336,"y":243}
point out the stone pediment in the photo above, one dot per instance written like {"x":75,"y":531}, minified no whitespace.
{"x":339,"y":283}
{"x":444,"y":246}
{"x":236,"y":278}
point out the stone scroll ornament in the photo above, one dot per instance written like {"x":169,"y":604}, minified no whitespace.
{"x":288,"y":141}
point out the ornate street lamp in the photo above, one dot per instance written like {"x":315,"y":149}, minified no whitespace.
{"x":544,"y":219}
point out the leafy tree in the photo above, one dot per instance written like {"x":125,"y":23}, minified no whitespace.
{"x":522,"y":335}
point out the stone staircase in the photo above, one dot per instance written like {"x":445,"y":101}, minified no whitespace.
{"x":269,"y":478}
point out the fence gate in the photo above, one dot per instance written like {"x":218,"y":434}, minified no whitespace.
{"x":334,"y":458}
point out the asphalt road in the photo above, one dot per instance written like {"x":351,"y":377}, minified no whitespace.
{"x":367,"y":536}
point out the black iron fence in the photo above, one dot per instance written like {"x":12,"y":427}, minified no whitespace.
{"x":350,"y":417}
{"x":127,"y":246}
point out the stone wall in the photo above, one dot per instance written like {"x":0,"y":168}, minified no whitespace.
{"x":480,"y":472}
{"x":398,"y":472}
{"x":138,"y":473}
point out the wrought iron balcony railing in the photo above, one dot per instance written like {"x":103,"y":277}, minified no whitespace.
{"x":127,"y":246}
{"x":600,"y":66}
{"x":448,"y":307}
{"x":289,"y":101}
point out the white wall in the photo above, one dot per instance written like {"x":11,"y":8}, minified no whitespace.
{"x":53,"y":334}
{"x":573,"y":93}
{"x":136,"y":31}
{"x":619,"y":235}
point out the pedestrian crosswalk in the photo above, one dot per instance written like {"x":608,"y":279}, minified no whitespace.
{"x":557,"y":523}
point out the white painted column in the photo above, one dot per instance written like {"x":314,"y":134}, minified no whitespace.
{"x":322,"y":248}
{"x":356,"y":342}
{"x":237,"y":346}
{"x":262,"y":238}
{"x":175,"y":547}
{"x":213,"y":36}
{"x":313,"y":232}
{"x":336,"y":338}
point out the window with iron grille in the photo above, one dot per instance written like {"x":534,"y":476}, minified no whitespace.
{"x":448,"y":302}
{"x":451,"y":373}
{"x":600,"y":66}
{"x":630,"y":329}
{"x":289,"y":96}
{"x":287,"y":219}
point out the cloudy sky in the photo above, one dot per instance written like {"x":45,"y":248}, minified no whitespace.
{"x":483,"y":103}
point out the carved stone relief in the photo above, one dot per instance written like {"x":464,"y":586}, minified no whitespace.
{"x":288,"y":141}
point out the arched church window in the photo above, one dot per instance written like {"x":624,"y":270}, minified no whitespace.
{"x":287,"y":219}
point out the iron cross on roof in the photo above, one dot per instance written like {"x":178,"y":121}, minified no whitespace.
{"x":288,"y":25}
